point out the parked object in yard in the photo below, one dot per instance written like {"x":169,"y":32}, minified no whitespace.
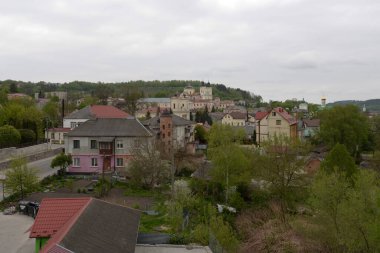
{"x":10,"y":210}
{"x":29,"y":208}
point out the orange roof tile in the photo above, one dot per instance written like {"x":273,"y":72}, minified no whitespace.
{"x":54,"y":213}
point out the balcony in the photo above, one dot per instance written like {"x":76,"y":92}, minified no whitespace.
{"x":105,"y":148}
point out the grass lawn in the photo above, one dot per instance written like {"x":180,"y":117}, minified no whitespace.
{"x":150,"y":223}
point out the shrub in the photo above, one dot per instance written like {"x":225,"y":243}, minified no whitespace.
{"x":27,"y":135}
{"x":9,"y":136}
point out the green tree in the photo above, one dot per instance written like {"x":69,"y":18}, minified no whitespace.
{"x":20,"y":179}
{"x":51,"y":111}
{"x":103,"y":91}
{"x":200,"y":134}
{"x":27,"y":135}
{"x":62,"y":161}
{"x":230,"y":161}
{"x":339,"y":158}
{"x":345,"y":125}
{"x":131,"y":97}
{"x":9,"y":136}
{"x":375,"y":123}
{"x":281,"y":163}
{"x":3,"y":96}
{"x":88,"y":100}
{"x":346,"y":215}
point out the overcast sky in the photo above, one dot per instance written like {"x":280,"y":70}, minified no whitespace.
{"x":276,"y":48}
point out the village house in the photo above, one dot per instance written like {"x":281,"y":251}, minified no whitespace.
{"x":173,"y":132}
{"x":234,"y":119}
{"x":56,"y":135}
{"x":68,"y":225}
{"x":309,"y":128}
{"x":92,"y":112}
{"x":281,"y":123}
{"x":104,"y":145}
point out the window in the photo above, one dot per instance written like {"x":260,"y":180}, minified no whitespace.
{"x":94,"y":162}
{"x":168,"y":134}
{"x":169,"y":125}
{"x":76,"y":143}
{"x":163,"y":136}
{"x":119,"y":162}
{"x":274,"y":114}
{"x":163,"y":127}
{"x":76,"y":162}
{"x":278,"y":122}
{"x":173,"y":106}
{"x":52,"y":136}
{"x":119,"y":144}
{"x":94,"y":144}
{"x":73,"y":124}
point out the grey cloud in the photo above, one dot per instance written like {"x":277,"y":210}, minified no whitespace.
{"x":305,"y":48}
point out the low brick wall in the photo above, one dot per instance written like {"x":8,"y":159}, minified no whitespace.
{"x":34,"y":157}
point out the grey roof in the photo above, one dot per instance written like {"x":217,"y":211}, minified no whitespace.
{"x":177,"y":121}
{"x":103,"y":227}
{"x":129,"y":127}
{"x":216,"y":116}
{"x":154,"y":100}
{"x":312,"y":122}
{"x":84,"y":113}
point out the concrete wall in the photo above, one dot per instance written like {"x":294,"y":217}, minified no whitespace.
{"x":34,"y":157}
{"x":8,"y":153}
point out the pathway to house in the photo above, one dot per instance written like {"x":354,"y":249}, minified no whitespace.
{"x":14,"y":234}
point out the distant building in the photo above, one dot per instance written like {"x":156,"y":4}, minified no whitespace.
{"x":92,"y":112}
{"x":61,"y":95}
{"x":15,"y":96}
{"x":163,"y":103}
{"x":234,"y":119}
{"x":56,"y":135}
{"x":174,"y":132}
{"x":309,"y":128}
{"x":205,"y":92}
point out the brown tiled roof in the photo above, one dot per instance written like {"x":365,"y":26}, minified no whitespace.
{"x":260,"y":115}
{"x":312,"y":122}
{"x":238,"y":115}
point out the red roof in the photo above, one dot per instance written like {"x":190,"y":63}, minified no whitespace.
{"x":54,"y":213}
{"x":260,"y":115}
{"x":291,"y":120}
{"x":107,"y":111}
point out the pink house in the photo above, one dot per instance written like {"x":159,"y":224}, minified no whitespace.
{"x":105,"y":144}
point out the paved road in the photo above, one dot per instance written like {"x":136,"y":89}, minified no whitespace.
{"x":42,"y":167}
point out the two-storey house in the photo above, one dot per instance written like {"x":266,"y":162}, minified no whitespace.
{"x":281,"y":123}
{"x":104,"y":145}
